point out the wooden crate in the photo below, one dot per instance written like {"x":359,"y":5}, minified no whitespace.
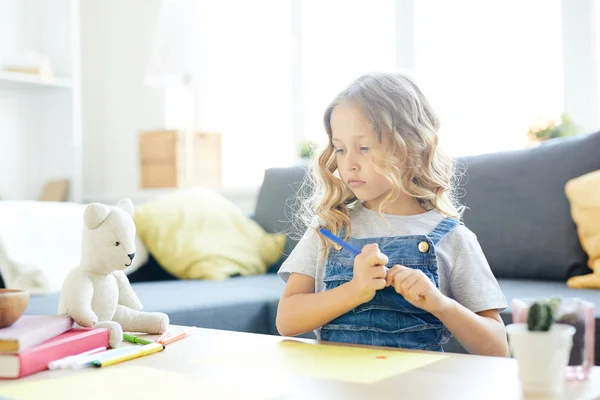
{"x":162,"y":159}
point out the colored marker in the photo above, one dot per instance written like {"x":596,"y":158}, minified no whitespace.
{"x":171,"y":338}
{"x":339,"y":241}
{"x":135,"y":339}
{"x":67,"y":361}
{"x":162,"y":337}
{"x":88,"y":360}
{"x":140,"y":351}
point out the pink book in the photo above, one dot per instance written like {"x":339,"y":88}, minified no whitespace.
{"x":36,"y":359}
{"x":31,"y":330}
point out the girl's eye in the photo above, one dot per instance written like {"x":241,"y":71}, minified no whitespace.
{"x":364,"y":148}
{"x":339,"y":151}
{"x":117,"y":243}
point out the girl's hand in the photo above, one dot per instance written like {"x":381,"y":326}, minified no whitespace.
{"x":369,"y":272}
{"x":416,"y":288}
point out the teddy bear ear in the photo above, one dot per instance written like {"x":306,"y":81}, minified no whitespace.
{"x":126,"y":205}
{"x":95,"y":214}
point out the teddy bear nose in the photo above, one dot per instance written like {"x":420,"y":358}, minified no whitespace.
{"x":131,"y":256}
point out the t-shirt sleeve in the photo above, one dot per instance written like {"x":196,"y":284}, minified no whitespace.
{"x":304,"y":258}
{"x":472,"y":282}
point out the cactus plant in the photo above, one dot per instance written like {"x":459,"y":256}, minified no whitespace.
{"x":542,"y":315}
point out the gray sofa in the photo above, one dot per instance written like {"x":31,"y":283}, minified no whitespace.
{"x":517,"y":208}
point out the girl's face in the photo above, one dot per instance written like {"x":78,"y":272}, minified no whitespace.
{"x":354,"y":139}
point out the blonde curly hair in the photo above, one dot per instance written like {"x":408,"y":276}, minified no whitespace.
{"x":412,"y":162}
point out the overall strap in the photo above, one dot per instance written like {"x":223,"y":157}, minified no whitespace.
{"x":443,"y":229}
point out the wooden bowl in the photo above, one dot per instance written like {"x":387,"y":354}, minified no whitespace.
{"x":13,"y":303}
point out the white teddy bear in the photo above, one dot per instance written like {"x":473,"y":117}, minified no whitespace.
{"x":97,"y":293}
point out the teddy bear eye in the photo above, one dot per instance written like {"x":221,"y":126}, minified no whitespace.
{"x":117,"y":243}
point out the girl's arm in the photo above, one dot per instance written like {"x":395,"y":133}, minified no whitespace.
{"x":302,"y":310}
{"x":480,"y":333}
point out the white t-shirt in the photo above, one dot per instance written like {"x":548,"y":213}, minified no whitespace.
{"x":464,"y":272}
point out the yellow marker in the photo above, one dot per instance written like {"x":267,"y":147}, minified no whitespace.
{"x":138,"y":351}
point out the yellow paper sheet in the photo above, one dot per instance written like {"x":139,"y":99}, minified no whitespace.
{"x":292,"y":358}
{"x":352,"y":364}
{"x":126,"y":382}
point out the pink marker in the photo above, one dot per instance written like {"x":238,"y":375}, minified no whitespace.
{"x":162,"y":337}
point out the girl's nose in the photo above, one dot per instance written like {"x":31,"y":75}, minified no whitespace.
{"x":352,"y":163}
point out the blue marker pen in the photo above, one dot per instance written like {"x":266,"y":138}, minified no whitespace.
{"x":339,"y":241}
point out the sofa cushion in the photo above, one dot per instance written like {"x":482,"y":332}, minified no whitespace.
{"x":276,"y":204}
{"x":238,"y":304}
{"x":200,"y":234}
{"x":584,"y":196}
{"x":519,"y":211}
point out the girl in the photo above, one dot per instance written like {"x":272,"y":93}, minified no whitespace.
{"x":384,"y":186}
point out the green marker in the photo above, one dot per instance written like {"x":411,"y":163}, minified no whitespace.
{"x":135,"y":339}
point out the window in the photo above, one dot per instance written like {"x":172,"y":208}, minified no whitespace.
{"x":490,"y":68}
{"x":269,"y":68}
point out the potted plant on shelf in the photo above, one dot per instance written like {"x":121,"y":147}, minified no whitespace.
{"x":551,"y":129}
{"x":306,"y":152}
{"x":542,"y":347}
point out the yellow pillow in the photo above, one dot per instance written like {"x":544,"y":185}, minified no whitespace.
{"x":584,"y":195}
{"x":199,"y":234}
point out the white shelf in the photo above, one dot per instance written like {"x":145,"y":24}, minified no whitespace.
{"x":40,"y":116}
{"x":20,"y":79}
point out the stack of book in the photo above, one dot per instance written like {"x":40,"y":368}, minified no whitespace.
{"x":27,"y":346}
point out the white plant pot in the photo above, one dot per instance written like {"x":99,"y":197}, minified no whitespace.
{"x":542,"y":356}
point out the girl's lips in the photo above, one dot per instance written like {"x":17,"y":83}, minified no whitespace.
{"x":355,"y":183}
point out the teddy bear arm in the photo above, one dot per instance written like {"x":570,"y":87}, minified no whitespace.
{"x":127,"y":296}
{"x":78,"y":291}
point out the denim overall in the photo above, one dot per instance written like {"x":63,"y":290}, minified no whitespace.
{"x":388,"y":319}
